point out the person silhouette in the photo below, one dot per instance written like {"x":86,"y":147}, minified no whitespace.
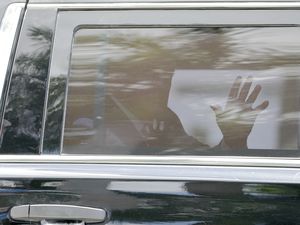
{"x":166,"y":135}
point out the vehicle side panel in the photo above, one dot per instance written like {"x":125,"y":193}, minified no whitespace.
{"x":162,"y":202}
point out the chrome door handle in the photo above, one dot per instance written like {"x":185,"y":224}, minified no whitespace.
{"x":40,"y":212}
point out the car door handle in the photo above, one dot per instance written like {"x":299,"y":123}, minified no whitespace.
{"x":56,"y":212}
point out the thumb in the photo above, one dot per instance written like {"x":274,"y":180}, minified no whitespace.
{"x":216,"y":108}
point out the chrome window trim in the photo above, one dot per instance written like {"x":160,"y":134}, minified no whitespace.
{"x":225,"y":161}
{"x":152,"y":173}
{"x":175,"y":5}
{"x":8,"y":30}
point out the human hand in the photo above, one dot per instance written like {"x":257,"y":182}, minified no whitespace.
{"x":237,"y":118}
{"x":154,"y":132}
{"x":165,"y":129}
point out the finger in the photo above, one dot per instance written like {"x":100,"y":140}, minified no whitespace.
{"x":154,"y":124}
{"x":161,"y":125}
{"x":262,"y":106}
{"x":217,"y":109}
{"x":233,"y":93}
{"x":251,"y":99}
{"x":245,"y":89}
{"x":146,"y":130}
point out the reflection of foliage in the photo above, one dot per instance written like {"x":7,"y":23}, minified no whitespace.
{"x":24,"y":107}
{"x":138,"y":64}
{"x":55,"y":114}
{"x":215,"y":204}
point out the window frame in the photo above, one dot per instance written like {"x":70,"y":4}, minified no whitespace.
{"x":59,"y":66}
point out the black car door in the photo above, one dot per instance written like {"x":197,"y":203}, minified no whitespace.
{"x":153,"y":113}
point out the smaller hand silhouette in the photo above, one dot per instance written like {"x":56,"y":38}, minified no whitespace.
{"x":237,"y":118}
{"x":154,"y":132}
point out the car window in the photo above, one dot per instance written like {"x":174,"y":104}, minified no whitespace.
{"x":183,"y":91}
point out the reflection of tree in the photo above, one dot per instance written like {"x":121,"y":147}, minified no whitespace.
{"x":138,"y":72}
{"x":217,"y":203}
{"x":54,"y":115}
{"x":24,"y":107}
{"x":144,"y":64}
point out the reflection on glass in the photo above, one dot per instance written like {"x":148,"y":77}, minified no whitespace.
{"x":183,"y":90}
{"x":25,"y":103}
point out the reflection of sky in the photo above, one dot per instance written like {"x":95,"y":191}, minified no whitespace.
{"x":156,"y":187}
{"x":263,"y":42}
{"x":7,"y":190}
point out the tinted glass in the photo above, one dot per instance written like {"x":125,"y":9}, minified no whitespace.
{"x":183,"y":91}
{"x":23,"y":112}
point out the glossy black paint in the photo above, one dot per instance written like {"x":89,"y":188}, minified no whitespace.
{"x":24,"y":107}
{"x":126,"y":201}
{"x":216,"y":203}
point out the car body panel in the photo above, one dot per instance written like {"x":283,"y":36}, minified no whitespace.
{"x":212,"y":190}
{"x":5,"y":3}
{"x":161,"y":202}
